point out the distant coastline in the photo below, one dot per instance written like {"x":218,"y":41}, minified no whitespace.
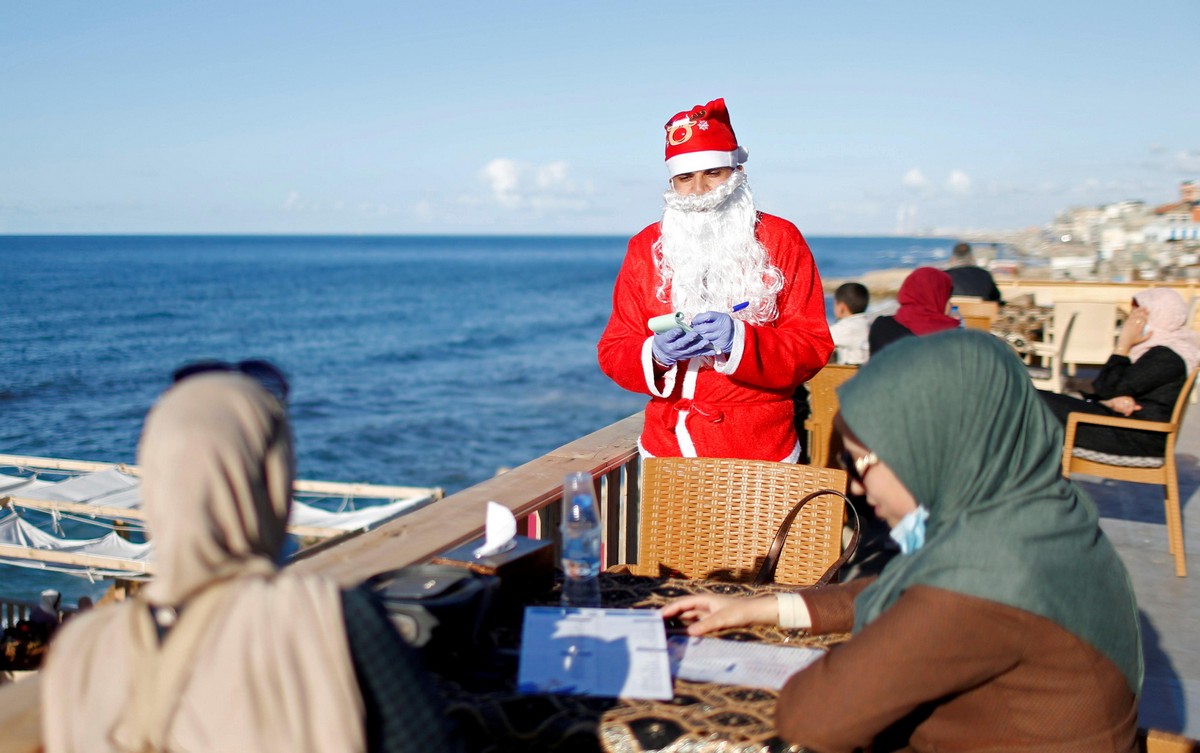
{"x":881,"y":283}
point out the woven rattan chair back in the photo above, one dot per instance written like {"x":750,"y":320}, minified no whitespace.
{"x":1165,"y":475}
{"x":823,"y":444}
{"x":715,"y":518}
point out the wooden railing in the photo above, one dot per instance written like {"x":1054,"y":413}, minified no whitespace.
{"x":609,"y":455}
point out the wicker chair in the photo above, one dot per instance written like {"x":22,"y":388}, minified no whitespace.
{"x":823,"y":444}
{"x":1159,"y":741}
{"x":1160,"y":471}
{"x":716,"y":518}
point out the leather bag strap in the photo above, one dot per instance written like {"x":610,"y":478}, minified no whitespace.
{"x":766,"y":573}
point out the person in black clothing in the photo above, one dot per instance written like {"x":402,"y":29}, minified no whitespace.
{"x":1156,"y":350}
{"x":970,"y":278}
{"x":924,"y":299}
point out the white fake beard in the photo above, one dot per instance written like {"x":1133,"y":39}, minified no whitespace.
{"x":709,"y":257}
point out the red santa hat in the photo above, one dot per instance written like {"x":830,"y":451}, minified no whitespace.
{"x":702,"y":138}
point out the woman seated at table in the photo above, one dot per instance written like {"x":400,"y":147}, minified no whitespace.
{"x":1156,"y":350}
{"x":924,"y":299}
{"x":223,"y":651}
{"x":1007,"y":623}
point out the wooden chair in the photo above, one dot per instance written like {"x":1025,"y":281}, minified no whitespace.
{"x":976,"y":313}
{"x":716,"y":518}
{"x":1094,"y":335}
{"x":1158,"y":741}
{"x":1049,"y":375}
{"x":823,"y":404}
{"x":1139,"y":470}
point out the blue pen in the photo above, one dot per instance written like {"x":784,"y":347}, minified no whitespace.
{"x":740,"y":306}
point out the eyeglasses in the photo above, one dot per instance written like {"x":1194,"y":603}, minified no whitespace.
{"x":857,"y":467}
{"x":265,"y":373}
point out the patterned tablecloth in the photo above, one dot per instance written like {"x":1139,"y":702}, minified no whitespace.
{"x":701,"y":717}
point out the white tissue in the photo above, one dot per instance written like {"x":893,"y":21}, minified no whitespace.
{"x":500,"y":531}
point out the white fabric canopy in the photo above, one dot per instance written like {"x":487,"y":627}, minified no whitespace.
{"x":113,"y":490}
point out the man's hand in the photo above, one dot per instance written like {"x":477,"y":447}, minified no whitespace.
{"x":709,"y":612}
{"x":715,"y":327}
{"x":678,"y":344}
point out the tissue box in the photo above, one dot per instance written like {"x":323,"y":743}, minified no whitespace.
{"x":525,"y":571}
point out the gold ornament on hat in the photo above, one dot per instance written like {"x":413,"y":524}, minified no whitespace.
{"x":673,"y":131}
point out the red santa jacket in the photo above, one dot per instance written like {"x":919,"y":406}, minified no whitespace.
{"x":738,"y":405}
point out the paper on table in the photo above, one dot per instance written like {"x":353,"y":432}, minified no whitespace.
{"x":755,"y":665}
{"x":500,"y":530}
{"x":597,"y":652}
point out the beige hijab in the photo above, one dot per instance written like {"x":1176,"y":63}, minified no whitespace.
{"x":257,"y":659}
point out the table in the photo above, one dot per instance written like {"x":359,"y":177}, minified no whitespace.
{"x":701,"y":717}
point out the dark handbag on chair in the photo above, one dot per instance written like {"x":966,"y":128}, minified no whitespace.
{"x":766,"y":573}
{"x":439,"y":609}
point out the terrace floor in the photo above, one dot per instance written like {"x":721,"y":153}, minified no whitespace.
{"x":1132,"y":517}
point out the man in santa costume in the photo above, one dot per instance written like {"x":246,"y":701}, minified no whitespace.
{"x":748,"y":291}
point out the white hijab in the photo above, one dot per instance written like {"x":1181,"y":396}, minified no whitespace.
{"x":258,"y":659}
{"x":1168,"y":325}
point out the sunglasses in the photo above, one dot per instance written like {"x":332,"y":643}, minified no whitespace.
{"x":857,"y":467}
{"x":267,"y":374}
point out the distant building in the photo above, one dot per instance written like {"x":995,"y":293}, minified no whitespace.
{"x":1178,"y":220}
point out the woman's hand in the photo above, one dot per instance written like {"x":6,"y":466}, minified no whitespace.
{"x":1131,"y":331}
{"x":1124,"y":404}
{"x":708,"y":612}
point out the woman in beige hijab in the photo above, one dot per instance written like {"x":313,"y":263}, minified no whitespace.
{"x":223,"y":651}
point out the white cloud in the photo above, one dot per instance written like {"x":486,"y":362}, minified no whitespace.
{"x":914,"y":178}
{"x":1187,"y":161}
{"x":502,"y":175}
{"x":552,"y":175}
{"x":958,"y":182}
{"x":293,"y":200}
{"x":522,"y":185}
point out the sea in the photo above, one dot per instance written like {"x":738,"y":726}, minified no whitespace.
{"x":426,"y":361}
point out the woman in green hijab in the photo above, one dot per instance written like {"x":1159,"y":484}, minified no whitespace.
{"x":1007,"y":623}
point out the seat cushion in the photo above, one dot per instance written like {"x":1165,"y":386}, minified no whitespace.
{"x":1125,"y":461}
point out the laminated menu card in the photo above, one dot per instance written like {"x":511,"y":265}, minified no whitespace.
{"x":595,"y":652}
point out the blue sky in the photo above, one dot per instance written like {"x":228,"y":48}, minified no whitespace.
{"x":546,"y":117}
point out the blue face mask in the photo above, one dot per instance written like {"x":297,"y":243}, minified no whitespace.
{"x":909,"y":533}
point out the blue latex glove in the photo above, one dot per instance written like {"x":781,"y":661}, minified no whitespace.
{"x":715,"y":327}
{"x":678,"y":344}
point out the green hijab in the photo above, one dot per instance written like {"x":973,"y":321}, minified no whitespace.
{"x":955,"y":417}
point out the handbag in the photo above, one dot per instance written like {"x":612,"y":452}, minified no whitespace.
{"x":440,"y":609}
{"x":766,"y":573}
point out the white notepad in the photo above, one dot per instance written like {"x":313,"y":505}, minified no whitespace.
{"x":755,"y":665}
{"x":596,"y":652}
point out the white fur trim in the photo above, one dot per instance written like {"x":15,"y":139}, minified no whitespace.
{"x":648,"y":371}
{"x":690,"y":162}
{"x":687,"y":448}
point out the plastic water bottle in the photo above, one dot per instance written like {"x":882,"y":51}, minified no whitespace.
{"x":580,"y":542}
{"x":954,"y":313}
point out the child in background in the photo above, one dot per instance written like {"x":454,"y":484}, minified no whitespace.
{"x":852,"y":327}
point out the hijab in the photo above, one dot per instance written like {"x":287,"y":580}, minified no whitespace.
{"x":956,"y":418}
{"x":258,"y":659}
{"x":923,"y":297}
{"x":1169,"y":326}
